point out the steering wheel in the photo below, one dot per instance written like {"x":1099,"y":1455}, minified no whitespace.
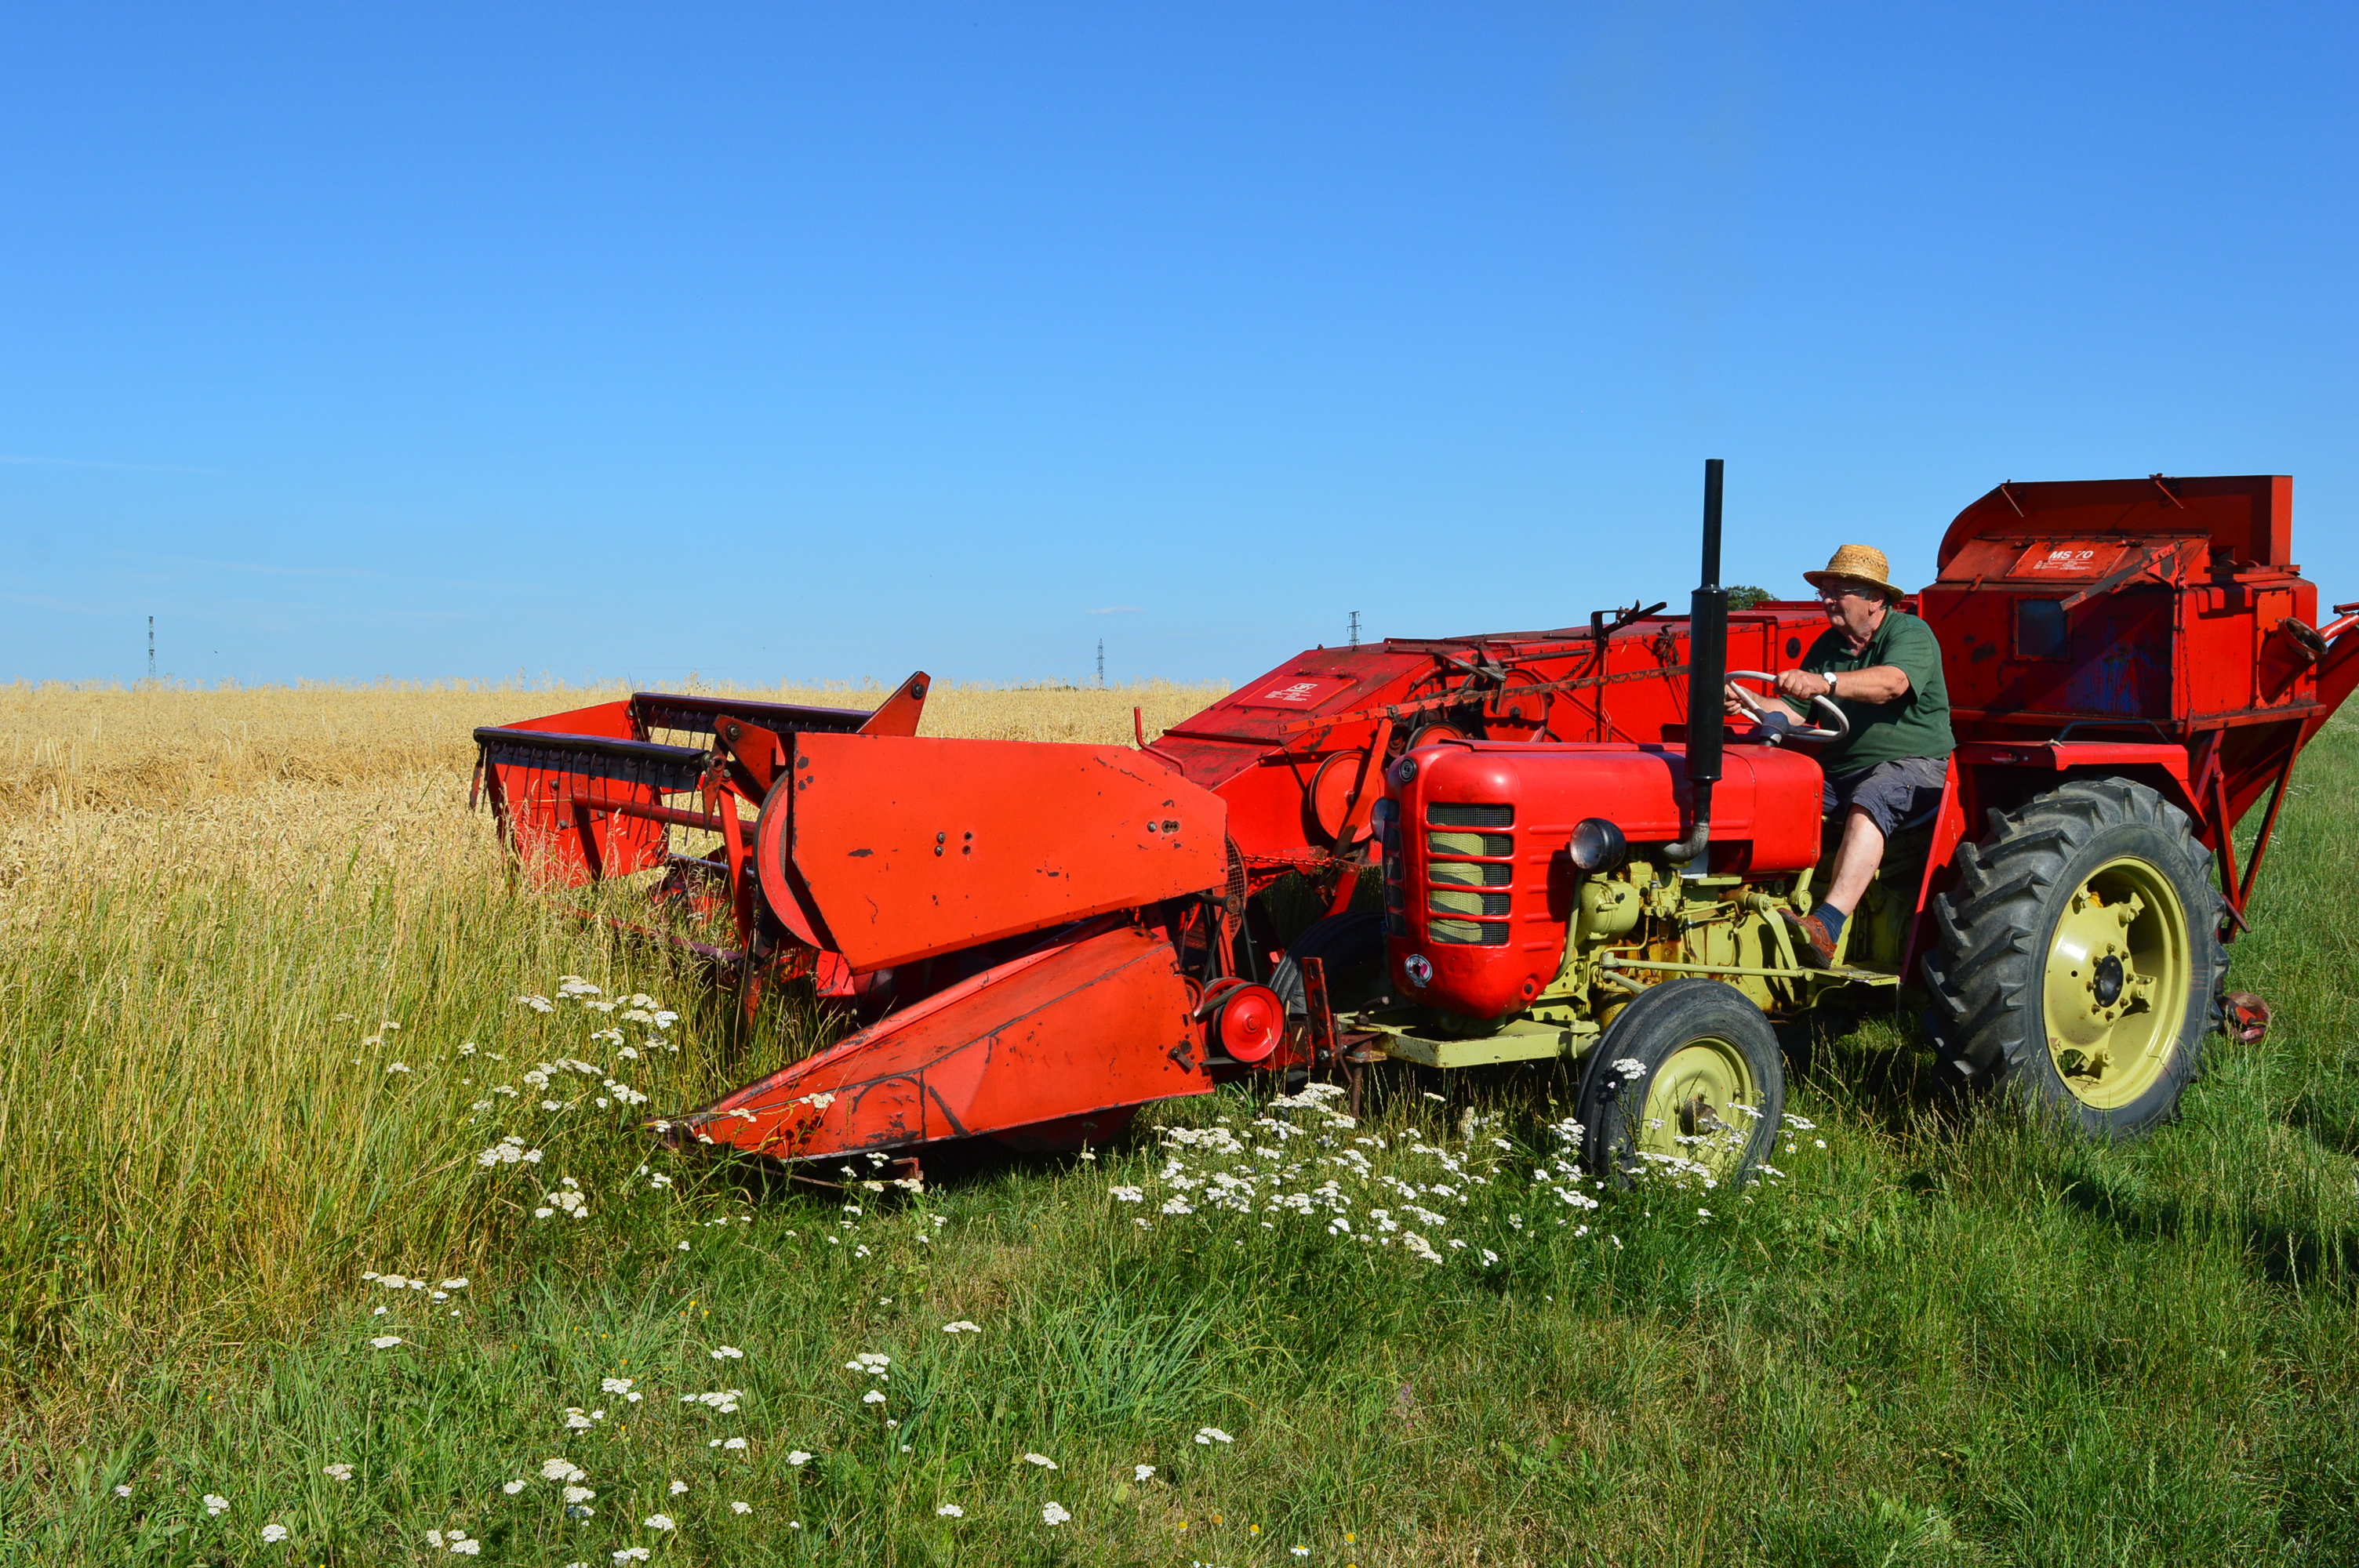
{"x":1801,"y":732}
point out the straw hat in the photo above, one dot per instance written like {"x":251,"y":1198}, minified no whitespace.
{"x":1861,"y":563}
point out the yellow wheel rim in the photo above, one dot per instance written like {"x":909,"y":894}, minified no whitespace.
{"x":2115,"y":993}
{"x":1692,"y":1105}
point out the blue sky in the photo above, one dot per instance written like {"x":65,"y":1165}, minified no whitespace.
{"x":828,"y":342}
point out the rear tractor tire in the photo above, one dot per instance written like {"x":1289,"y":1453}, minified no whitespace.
{"x":2079,"y":957}
{"x":1688,"y":1079}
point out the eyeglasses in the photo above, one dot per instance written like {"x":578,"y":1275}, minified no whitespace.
{"x":1832,"y":593}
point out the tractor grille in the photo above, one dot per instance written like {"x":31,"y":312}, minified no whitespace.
{"x":1451,"y":814}
{"x":1468,"y":873}
{"x":1496,"y":844}
{"x":1450,"y":901}
{"x":1460,"y":907}
{"x":1470,"y":933}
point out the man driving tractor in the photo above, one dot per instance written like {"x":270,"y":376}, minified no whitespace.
{"x":1882,"y":667}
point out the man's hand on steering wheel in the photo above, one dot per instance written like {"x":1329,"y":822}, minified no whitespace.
{"x":1781,"y":721}
{"x":1804,"y":685}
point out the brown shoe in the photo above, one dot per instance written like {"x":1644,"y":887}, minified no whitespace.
{"x":1818,"y":950}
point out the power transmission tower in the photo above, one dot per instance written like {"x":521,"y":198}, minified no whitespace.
{"x":151,"y":649}
{"x":1356,"y":628}
{"x":1101,"y":660}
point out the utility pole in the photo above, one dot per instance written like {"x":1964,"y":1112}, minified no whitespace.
{"x":1356,"y":628}
{"x":1101,"y":660}
{"x":151,"y":649}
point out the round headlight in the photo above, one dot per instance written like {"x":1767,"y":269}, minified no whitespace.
{"x":1597,"y":846}
{"x":1405,"y":770}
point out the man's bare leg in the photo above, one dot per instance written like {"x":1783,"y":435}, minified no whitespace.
{"x":1856,"y":858}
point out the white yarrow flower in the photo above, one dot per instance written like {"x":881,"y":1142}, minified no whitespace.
{"x":1054,"y":1514}
{"x":1143,"y":1473}
{"x":798,"y":1458}
{"x":951,"y":1510}
{"x":337,"y":1472}
{"x":384,"y":1342}
{"x":660,"y":1522}
{"x":272,"y":1534}
{"x":1212,"y":1435}
{"x":215,"y":1503}
{"x":1042,"y":1460}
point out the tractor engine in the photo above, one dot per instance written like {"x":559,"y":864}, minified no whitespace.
{"x":1488,"y":847}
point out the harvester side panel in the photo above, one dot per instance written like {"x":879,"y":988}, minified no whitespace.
{"x":1092,"y":1026}
{"x":912,"y":847}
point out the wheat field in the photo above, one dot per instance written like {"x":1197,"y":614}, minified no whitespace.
{"x":193,"y":886}
{"x":270,"y":1292}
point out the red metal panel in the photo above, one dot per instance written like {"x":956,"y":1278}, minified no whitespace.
{"x":2060,"y":755}
{"x":559,"y":839}
{"x":1099,"y":1023}
{"x":1941,"y":857}
{"x":898,"y":714}
{"x":2248,"y":517}
{"x":608,"y":719}
{"x":911,"y":846}
{"x":2137,"y":606}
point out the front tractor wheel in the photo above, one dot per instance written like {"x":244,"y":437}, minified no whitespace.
{"x":2079,"y":955}
{"x":1687,"y":1079}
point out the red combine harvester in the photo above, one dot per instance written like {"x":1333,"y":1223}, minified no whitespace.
{"x":1041,"y":938}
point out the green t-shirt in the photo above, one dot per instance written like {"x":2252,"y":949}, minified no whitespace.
{"x":1917,"y":725}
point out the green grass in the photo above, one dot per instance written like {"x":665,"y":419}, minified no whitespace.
{"x":1948,"y":1337}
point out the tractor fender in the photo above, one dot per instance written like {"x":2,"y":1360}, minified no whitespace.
{"x":1984,"y":774}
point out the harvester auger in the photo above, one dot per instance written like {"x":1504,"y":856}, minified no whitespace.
{"x":1040,"y":938}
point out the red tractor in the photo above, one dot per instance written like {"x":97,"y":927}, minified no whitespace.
{"x":1041,"y":937}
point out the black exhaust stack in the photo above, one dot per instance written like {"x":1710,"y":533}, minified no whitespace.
{"x":1707,"y":674}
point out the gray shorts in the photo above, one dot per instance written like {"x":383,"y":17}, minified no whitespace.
{"x":1894,"y":794}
